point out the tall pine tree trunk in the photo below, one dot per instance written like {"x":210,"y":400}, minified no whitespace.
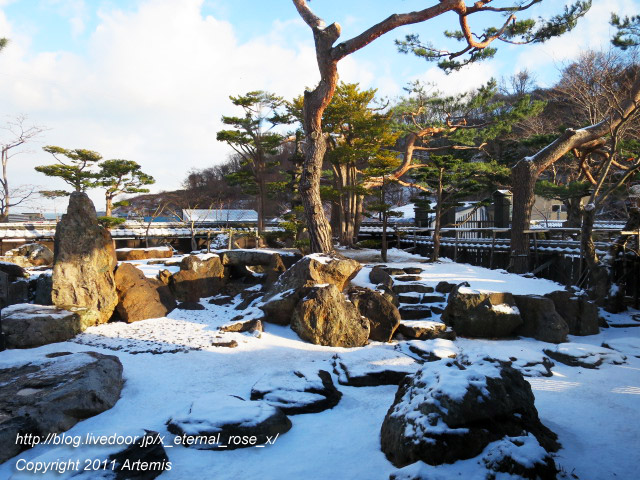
{"x":523,"y":180}
{"x":435,"y":255}
{"x":574,"y":214}
{"x":598,"y":273}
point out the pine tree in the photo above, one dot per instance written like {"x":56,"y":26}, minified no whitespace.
{"x":253,"y":139}
{"x":75,"y":169}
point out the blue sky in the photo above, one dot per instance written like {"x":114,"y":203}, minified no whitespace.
{"x":147,"y":80}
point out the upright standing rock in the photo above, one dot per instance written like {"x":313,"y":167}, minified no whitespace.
{"x":84,"y":260}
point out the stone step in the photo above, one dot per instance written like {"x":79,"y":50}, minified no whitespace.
{"x":425,"y":330}
{"x":412,"y":287}
{"x":407,"y":278}
{"x":433,"y":299}
{"x":410,"y":298}
{"x":414,"y":312}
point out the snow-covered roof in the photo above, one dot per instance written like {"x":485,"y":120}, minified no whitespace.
{"x":220,"y":215}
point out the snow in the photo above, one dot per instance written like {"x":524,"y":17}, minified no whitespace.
{"x":505,"y":308}
{"x":148,"y":249}
{"x":27,"y":311}
{"x":213,"y":411}
{"x":171,"y":362}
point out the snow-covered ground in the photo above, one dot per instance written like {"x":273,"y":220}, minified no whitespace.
{"x":171,"y":362}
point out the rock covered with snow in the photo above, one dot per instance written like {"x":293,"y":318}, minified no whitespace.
{"x":125,"y":254}
{"x":429,"y":350}
{"x":425,"y":330}
{"x":200,"y":276}
{"x":317,"y":269}
{"x":626,"y":345}
{"x":541,"y":321}
{"x":297,"y":392}
{"x":34,"y":254}
{"x":370,"y":367}
{"x":84,"y":260}
{"x":325,"y":317}
{"x":28,"y":326}
{"x":139,"y":297}
{"x":580,"y":314}
{"x":217,"y":421}
{"x":448,"y":411}
{"x":585,"y":355}
{"x":383,"y":315}
{"x":516,"y":457}
{"x":54,"y":392}
{"x":472,"y":313}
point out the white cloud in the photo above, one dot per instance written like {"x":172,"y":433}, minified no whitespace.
{"x":592,"y":32}
{"x":151,"y":88}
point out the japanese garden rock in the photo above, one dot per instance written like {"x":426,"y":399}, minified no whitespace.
{"x":124,"y":254}
{"x":370,"y":367}
{"x":378,"y":275}
{"x":448,"y":411}
{"x":483,"y":315}
{"x":281,"y":298}
{"x":190,"y":306}
{"x":254,"y":325}
{"x":246,"y":257}
{"x":584,"y":355}
{"x":34,"y":254}
{"x":429,"y":350}
{"x":138,"y":297}
{"x":445,"y":287}
{"x":407,"y":278}
{"x":425,"y":330}
{"x":53,"y":393}
{"x":383,"y":315}
{"x":325,"y":317}
{"x":13,"y":271}
{"x":228,"y":418}
{"x":200,"y":276}
{"x":519,"y":457}
{"x":84,"y":261}
{"x":541,"y":321}
{"x":44,"y":285}
{"x":580,"y":314}
{"x":412,"y":270}
{"x":297,"y":392}
{"x":27,"y":325}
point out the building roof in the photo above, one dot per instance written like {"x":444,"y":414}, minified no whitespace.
{"x":220,"y":215}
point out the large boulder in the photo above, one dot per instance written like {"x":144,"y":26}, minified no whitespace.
{"x":229,"y":422}
{"x":448,"y":411}
{"x":580,"y":314}
{"x":325,"y":317}
{"x":483,"y":315}
{"x":13,"y":271}
{"x":282,"y":297}
{"x":84,"y":260}
{"x":200,"y":276}
{"x":383,"y":315}
{"x":54,"y":393}
{"x":140,"y":298}
{"x":147,"y":456}
{"x":34,"y":254}
{"x":541,"y":321}
{"x":125,"y":254}
{"x":371,"y":367}
{"x":27,"y":326}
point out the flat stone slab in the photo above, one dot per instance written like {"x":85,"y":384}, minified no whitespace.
{"x":298,"y":392}
{"x":54,"y":392}
{"x":429,"y":350}
{"x":412,"y":287}
{"x":585,"y":355}
{"x":414,"y":312}
{"x":226,"y":422}
{"x":26,"y":325}
{"x":369,"y":367}
{"x":625,"y":345}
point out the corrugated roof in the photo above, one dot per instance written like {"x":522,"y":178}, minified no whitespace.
{"x":220,"y":215}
